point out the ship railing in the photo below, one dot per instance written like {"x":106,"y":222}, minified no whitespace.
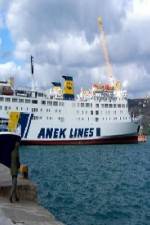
{"x":137,"y":119}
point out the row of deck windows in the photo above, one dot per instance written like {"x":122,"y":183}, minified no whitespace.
{"x":100,"y":105}
{"x":56,"y":103}
{"x":59,"y":111}
{"x":34,"y":101}
{"x":80,"y":118}
{"x":104,"y":118}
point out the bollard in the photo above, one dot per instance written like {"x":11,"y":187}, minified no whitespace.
{"x":24,"y":171}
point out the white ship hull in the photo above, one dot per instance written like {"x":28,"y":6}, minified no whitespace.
{"x":79,"y":134}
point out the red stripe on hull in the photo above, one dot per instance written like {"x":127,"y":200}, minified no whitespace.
{"x":108,"y":140}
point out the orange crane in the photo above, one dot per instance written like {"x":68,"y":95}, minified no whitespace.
{"x":116,"y":84}
{"x":105,"y":49}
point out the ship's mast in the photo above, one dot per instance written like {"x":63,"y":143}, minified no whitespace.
{"x":32,"y":73}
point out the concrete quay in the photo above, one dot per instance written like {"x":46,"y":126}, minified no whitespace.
{"x":25,"y":212}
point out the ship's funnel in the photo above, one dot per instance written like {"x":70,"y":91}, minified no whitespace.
{"x":68,"y":92}
{"x":57,"y":88}
{"x":56,"y":84}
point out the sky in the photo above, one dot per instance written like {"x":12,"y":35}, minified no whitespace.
{"x":64,"y":38}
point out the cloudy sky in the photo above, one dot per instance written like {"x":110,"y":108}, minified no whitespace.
{"x":64,"y":38}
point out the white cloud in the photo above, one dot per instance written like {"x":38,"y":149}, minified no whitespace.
{"x":140,"y":10}
{"x":9,"y":69}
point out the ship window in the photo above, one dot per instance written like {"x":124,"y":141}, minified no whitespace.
{"x":110,"y":105}
{"x":61,"y":119}
{"x":119,"y":105}
{"x":0,"y":107}
{"x":61,"y":103}
{"x":106,"y":105}
{"x":96,"y":112}
{"x":40,"y":94}
{"x":1,"y":99}
{"x":49,"y":102}
{"x":114,"y":105}
{"x":102,"y":105}
{"x":7,"y":99}
{"x":96,"y":119}
{"x":82,"y":104}
{"x":5,"y":107}
{"x":97,"y":105}
{"x":27,"y":100}
{"x":21,"y":100}
{"x":34,"y":101}
{"x":91,"y":112}
{"x":55,"y":103}
{"x":123,"y":105}
{"x":34,"y":109}
{"x":43,"y":102}
{"x":87,"y":104}
{"x":14,"y":99}
{"x":35,"y":117}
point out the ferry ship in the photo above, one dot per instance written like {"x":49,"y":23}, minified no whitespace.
{"x":57,"y":116}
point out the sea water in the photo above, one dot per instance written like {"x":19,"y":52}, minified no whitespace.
{"x":92,"y":184}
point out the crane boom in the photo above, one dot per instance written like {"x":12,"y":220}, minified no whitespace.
{"x":105,"y":49}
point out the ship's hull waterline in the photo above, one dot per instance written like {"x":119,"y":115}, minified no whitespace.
{"x":98,"y":141}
